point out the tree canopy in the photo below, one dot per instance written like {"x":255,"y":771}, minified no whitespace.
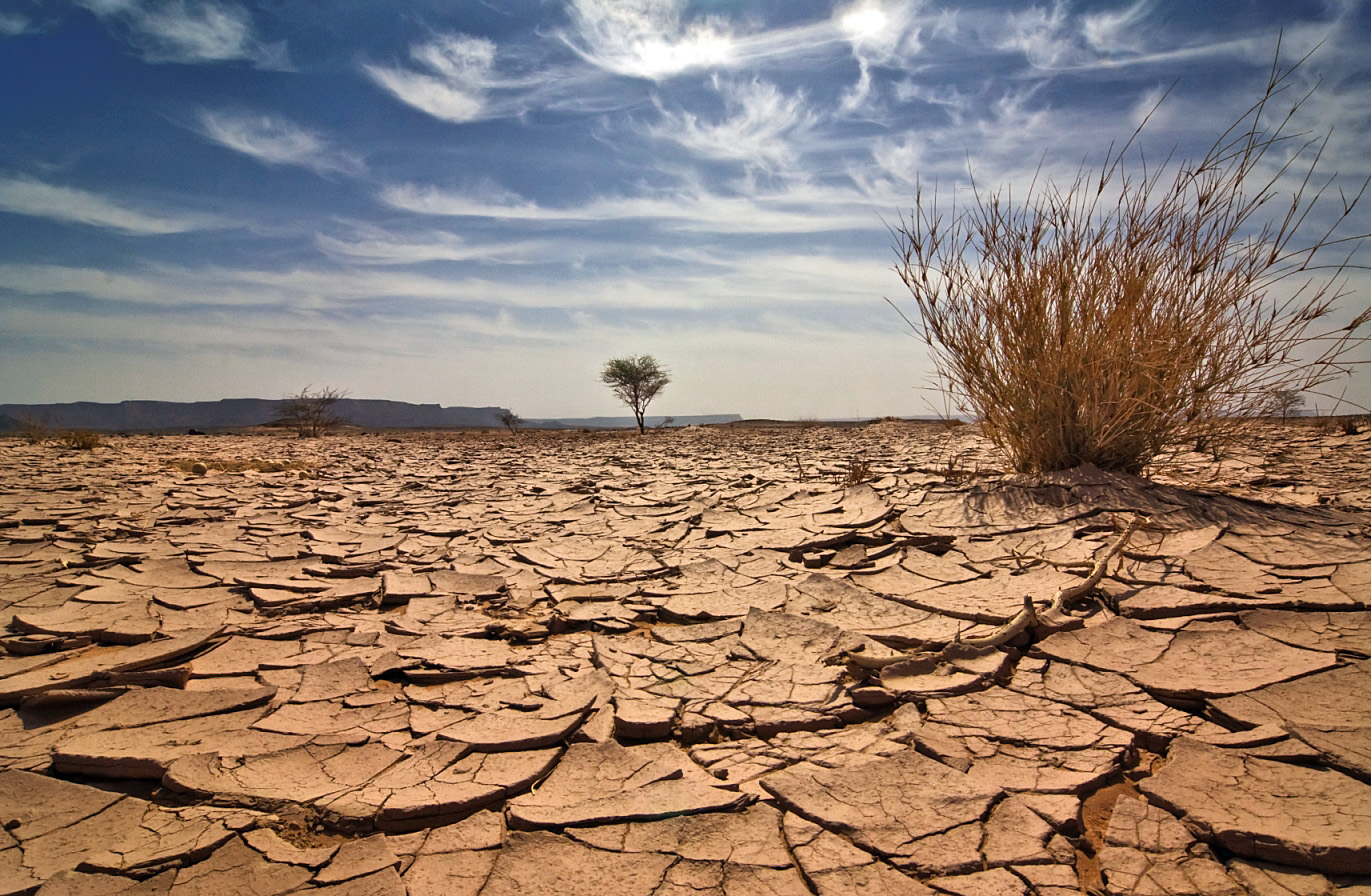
{"x":636,"y":380}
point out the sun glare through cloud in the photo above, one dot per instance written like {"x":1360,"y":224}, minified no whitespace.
{"x":864,"y":22}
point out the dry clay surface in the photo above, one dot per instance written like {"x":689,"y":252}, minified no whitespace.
{"x":707,"y":661}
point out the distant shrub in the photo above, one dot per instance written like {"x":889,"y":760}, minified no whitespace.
{"x":310,"y":411}
{"x":511,"y":420}
{"x":1136,"y":309}
{"x":79,"y":440}
{"x":33,"y":432}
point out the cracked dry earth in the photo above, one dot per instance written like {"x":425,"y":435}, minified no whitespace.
{"x":670,"y":666}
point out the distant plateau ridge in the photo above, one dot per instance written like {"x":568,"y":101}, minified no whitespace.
{"x":237,"y":413}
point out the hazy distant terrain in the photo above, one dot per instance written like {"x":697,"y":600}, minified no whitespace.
{"x":127,"y":416}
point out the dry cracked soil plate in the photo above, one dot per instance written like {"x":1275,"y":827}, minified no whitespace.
{"x":478,"y":663}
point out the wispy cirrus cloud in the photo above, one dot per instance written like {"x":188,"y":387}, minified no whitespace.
{"x":798,"y":208}
{"x":902,"y":157}
{"x":1057,"y":38}
{"x":455,"y":71}
{"x":646,"y":38}
{"x":758,"y":129}
{"x":25,"y":196}
{"x":375,"y":246}
{"x":1116,"y":30}
{"x":274,"y":140}
{"x":189,"y":32}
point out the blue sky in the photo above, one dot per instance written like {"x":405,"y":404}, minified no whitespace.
{"x":478,"y":203}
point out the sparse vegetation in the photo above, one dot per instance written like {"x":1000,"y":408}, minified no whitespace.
{"x":510,"y":420}
{"x":858,"y":470}
{"x":1138,"y":307}
{"x":310,"y":411}
{"x":79,"y":440}
{"x":635,"y":380}
{"x":33,"y":432}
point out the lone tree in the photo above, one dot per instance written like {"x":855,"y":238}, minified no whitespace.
{"x":1144,"y":305}
{"x":511,"y":420}
{"x":1286,"y":402}
{"x":636,"y":380}
{"x":310,"y":411}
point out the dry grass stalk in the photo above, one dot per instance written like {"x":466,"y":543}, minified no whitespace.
{"x":1127,"y":312}
{"x":857,"y":471}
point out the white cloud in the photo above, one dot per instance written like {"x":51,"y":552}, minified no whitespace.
{"x":433,"y":201}
{"x":275,"y":141}
{"x":800,"y":208}
{"x":1116,"y":31}
{"x":52,"y":279}
{"x":761,"y":124}
{"x":23,"y":196}
{"x":182,"y":31}
{"x":1054,"y":39}
{"x":371,"y":245}
{"x":458,"y":71}
{"x":901,"y":158}
{"x":646,"y":38}
{"x":1042,"y":35}
{"x":12,"y":23}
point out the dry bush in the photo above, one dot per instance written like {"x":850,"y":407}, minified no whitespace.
{"x":1136,"y":309}
{"x":33,"y":432}
{"x":310,"y":411}
{"x":79,"y":440}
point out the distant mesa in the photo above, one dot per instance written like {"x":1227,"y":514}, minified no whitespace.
{"x":239,"y":413}
{"x":235,"y":413}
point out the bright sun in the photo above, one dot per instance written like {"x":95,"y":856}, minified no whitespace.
{"x":864,"y":21}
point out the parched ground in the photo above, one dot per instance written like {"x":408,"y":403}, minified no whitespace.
{"x":707,"y":661}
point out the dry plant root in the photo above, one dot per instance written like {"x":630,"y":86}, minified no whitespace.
{"x":1023,"y":621}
